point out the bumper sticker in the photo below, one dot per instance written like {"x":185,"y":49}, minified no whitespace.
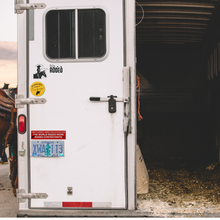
{"x":39,"y":135}
{"x":37,"y":88}
{"x":40,"y":72}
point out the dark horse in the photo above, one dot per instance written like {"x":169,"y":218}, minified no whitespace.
{"x":8,"y":132}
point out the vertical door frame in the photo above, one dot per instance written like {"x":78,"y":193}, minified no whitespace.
{"x":130,"y":39}
{"x":22,"y":42}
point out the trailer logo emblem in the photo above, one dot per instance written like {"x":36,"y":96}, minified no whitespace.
{"x":56,"y":69}
{"x":37,"y":88}
{"x":40,"y":72}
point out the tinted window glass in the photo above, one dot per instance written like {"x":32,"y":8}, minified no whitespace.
{"x":91,"y":33}
{"x":60,"y":34}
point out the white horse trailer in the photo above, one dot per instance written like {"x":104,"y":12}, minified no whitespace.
{"x":76,"y":107}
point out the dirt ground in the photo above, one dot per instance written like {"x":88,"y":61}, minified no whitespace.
{"x":8,"y":203}
{"x":182,"y":187}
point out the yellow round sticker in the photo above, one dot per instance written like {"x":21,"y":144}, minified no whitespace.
{"x":37,"y":88}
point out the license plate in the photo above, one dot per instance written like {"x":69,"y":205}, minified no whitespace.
{"x":47,"y":148}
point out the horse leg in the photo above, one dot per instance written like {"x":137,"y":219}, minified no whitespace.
{"x":14,"y":163}
{"x":4,"y":126}
{"x":14,"y":175}
{"x":10,"y":133}
{"x":3,"y":154}
{"x":15,"y":185}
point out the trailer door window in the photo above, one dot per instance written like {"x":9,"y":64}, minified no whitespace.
{"x":91,"y":33}
{"x":61,"y":40}
{"x":60,"y":34}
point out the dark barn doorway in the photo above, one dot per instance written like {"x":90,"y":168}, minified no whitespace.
{"x":178,"y":61}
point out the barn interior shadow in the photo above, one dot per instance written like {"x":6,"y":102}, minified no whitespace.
{"x":179,"y":133}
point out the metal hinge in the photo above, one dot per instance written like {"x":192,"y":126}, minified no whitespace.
{"x":20,"y":101}
{"x":22,"y":195}
{"x":20,"y":6}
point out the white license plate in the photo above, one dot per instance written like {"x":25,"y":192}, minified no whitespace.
{"x":47,"y":148}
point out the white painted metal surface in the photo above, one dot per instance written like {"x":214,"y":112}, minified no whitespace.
{"x":94,"y":160}
{"x":96,"y":156}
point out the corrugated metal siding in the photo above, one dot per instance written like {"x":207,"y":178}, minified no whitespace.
{"x":173,"y":22}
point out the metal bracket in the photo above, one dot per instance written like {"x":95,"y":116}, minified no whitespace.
{"x":127,"y":93}
{"x":22,"y":150}
{"x":20,"y":6}
{"x":69,"y":191}
{"x":103,"y":99}
{"x":22,"y":195}
{"x":20,"y":101}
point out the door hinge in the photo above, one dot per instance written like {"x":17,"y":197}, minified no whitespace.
{"x":20,"y":101}
{"x":20,"y":6}
{"x":22,"y":195}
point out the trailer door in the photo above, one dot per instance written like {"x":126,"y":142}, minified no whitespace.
{"x":77,"y":143}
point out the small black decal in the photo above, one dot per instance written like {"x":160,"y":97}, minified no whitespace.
{"x":56,"y":69}
{"x":40,"y":72}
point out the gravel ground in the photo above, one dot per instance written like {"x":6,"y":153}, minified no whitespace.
{"x":175,"y":187}
{"x":8,"y":202}
{"x":182,"y":187}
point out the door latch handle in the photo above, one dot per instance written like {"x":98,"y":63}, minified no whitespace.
{"x":20,"y":101}
{"x":112,"y":104}
{"x":111,"y":101}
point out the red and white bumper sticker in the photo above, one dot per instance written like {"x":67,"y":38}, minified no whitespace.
{"x":42,"y":135}
{"x":78,"y":204}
